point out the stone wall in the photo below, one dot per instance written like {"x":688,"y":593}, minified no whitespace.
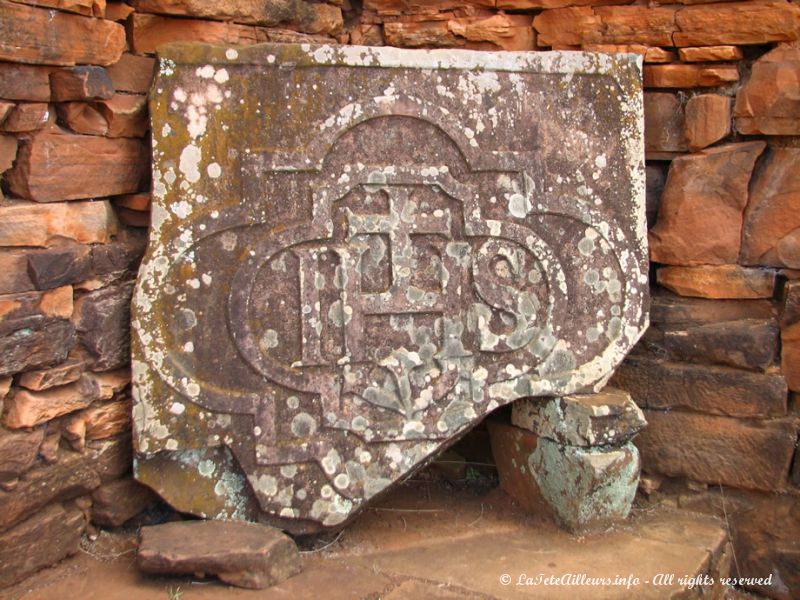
{"x":717,"y":374}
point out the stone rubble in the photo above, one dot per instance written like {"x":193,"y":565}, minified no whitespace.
{"x":572,"y":456}
{"x":585,"y":488}
{"x":248,"y":555}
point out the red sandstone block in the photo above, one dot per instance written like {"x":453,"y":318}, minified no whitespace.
{"x":689,"y":76}
{"x":406,"y":7}
{"x":506,"y":32}
{"x":606,"y":25}
{"x":24,"y":82}
{"x":708,"y":120}
{"x":548,"y":4}
{"x":44,"y":379}
{"x":28,"y":116}
{"x":55,"y":165}
{"x":749,"y":454}
{"x":663,"y":123}
{"x":118,"y":501}
{"x":150,"y":31}
{"x":82,"y":117}
{"x":44,"y":539}
{"x":702,"y":205}
{"x":754,"y":22}
{"x":772,"y":217}
{"x":18,"y":450}
{"x":100,"y":421}
{"x":769,"y":103}
{"x":126,"y":115}
{"x":89,"y":8}
{"x":790,"y":355}
{"x":8,"y":151}
{"x":303,"y":16}
{"x":56,"y":303}
{"x":429,"y":34}
{"x":13,"y":271}
{"x":710,"y":54}
{"x":651,"y":54}
{"x":39,"y":36}
{"x":5,"y":108}
{"x":28,"y":409}
{"x":719,"y":282}
{"x":80,"y":83}
{"x":137,"y":202}
{"x":73,"y":474}
{"x":33,"y":224}
{"x":118,"y":11}
{"x":132,"y":73}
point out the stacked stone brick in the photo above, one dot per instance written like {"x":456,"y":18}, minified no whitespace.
{"x":717,"y":376}
{"x":75,"y":160}
{"x":71,"y":147}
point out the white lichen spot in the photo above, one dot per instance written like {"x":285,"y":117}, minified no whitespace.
{"x":206,"y":72}
{"x":518,"y":206}
{"x":181,"y":209}
{"x":228,"y":240}
{"x":231,"y":54}
{"x":177,"y":408}
{"x":158,"y":430}
{"x":266,"y":484}
{"x":206,"y":468}
{"x":331,"y":461}
{"x":189,"y":163}
{"x":214,"y":170}
{"x":221,"y":76}
{"x":214,"y":94}
{"x":270,"y":338}
{"x":304,"y":425}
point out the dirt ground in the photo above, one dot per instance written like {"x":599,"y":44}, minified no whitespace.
{"x":430,"y":539}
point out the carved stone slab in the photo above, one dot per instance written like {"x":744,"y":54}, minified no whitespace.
{"x":358,"y":253}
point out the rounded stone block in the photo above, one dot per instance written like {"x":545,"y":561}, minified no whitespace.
{"x":584,"y":488}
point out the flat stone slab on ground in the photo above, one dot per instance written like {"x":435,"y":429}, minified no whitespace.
{"x":357,"y":253}
{"x":423,"y":539}
{"x":242,"y":554}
